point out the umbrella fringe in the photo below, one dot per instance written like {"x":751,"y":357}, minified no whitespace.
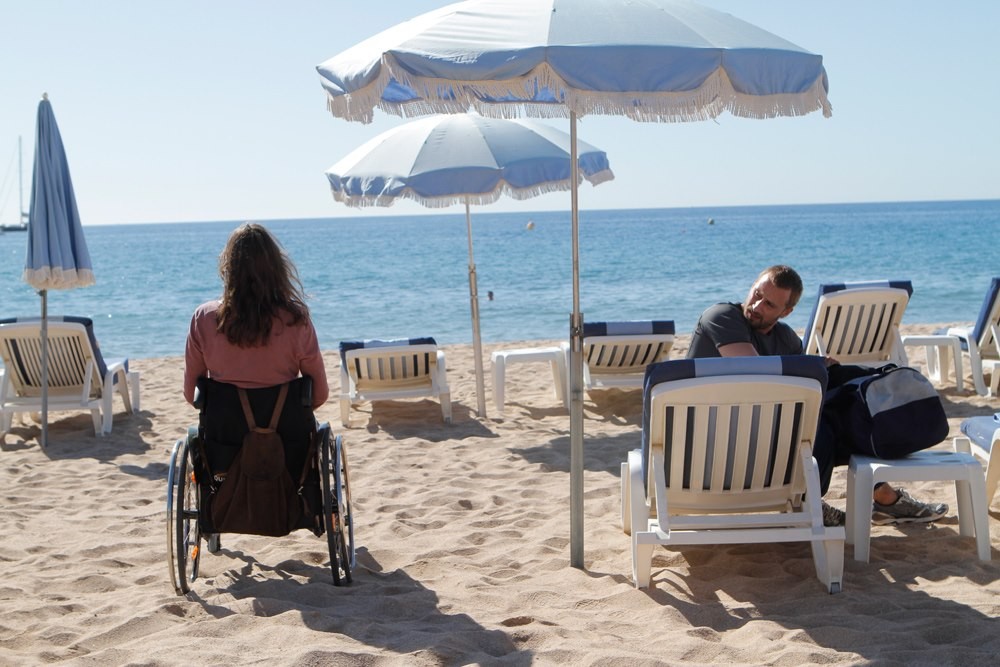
{"x":602,"y":176}
{"x":785,"y":104}
{"x":480,"y":199}
{"x":53,"y":277}
{"x":715,"y":95}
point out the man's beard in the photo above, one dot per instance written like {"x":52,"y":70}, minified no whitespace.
{"x":756,"y":321}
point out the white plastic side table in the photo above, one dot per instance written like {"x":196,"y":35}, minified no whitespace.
{"x":929,"y":465}
{"x":555,"y":357}
{"x":940,"y":350}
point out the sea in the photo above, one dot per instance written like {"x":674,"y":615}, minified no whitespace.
{"x":404,"y":276}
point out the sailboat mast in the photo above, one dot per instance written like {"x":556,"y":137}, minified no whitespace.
{"x":20,"y":183}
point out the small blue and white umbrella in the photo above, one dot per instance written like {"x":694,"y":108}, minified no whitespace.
{"x":57,"y":252}
{"x":463,"y":158}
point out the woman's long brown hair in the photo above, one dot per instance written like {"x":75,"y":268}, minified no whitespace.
{"x":259,"y":283}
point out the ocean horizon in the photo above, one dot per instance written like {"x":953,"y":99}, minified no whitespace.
{"x":403,"y":276}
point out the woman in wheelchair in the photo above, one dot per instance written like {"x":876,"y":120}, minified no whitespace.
{"x":259,"y":333}
{"x":258,"y":463}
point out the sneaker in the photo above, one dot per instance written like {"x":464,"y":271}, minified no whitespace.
{"x":833,"y":516}
{"x":906,"y":509}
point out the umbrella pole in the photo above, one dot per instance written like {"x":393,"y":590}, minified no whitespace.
{"x":477,"y":344}
{"x":45,"y":368}
{"x":575,"y":370}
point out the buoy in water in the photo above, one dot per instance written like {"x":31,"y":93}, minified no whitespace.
{"x":530,"y":225}
{"x":711,"y":221}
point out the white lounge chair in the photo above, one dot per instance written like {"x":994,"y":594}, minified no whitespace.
{"x":858,"y":323}
{"x":373,"y":370}
{"x":616,"y":354}
{"x":727,"y":458}
{"x":79,"y":377}
{"x":982,"y":342}
{"x":981,"y":437}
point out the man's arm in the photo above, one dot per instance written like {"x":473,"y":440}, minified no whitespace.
{"x":724,"y":325}
{"x":737,"y":350}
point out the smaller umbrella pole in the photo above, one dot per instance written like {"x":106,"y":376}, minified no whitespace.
{"x":477,"y":344}
{"x":45,"y":368}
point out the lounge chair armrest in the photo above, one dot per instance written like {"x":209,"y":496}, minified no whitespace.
{"x":638,"y":504}
{"x":116,"y":365}
{"x":811,"y":472}
{"x":440,"y":377}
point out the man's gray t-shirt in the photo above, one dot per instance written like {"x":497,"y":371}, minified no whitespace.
{"x":724,"y":323}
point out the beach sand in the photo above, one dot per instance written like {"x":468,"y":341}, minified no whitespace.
{"x":463,"y":553}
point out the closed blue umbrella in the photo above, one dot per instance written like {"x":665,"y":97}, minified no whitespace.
{"x":57,"y":251}
{"x":649,"y":60}
{"x":467,"y":159}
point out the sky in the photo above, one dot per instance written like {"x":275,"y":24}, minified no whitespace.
{"x":188,"y":110}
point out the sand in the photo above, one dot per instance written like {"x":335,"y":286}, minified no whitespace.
{"x":463,"y":553}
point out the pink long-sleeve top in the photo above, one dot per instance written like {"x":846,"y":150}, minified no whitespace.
{"x":290,"y":351}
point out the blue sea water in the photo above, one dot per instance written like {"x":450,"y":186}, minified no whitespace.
{"x":407,"y":275}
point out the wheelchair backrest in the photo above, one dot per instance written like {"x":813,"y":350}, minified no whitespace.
{"x":222,"y":425}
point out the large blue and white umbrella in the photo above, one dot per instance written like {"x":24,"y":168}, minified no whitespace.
{"x":463,"y":158}
{"x":649,"y":60}
{"x":57,"y":255}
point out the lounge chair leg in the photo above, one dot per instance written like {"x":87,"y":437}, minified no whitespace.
{"x":994,"y":369}
{"x":123,"y":389}
{"x":499,"y":377}
{"x":446,"y":406}
{"x":973,"y":514}
{"x":102,"y":424}
{"x":978,"y":372}
{"x":107,"y":408}
{"x":828,"y":556}
{"x":642,"y":562}
{"x":626,"y":494}
{"x":345,"y":412}
{"x":133,"y":387}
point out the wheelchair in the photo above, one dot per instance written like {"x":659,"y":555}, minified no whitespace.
{"x":315,"y":459}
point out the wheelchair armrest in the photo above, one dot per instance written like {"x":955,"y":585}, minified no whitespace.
{"x":199,"y":393}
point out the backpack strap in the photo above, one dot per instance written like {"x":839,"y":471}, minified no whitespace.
{"x":275,"y":416}
{"x":278,"y":407}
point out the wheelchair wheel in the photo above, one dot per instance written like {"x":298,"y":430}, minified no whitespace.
{"x":183,"y":535}
{"x":338,"y":521}
{"x":347,"y":508}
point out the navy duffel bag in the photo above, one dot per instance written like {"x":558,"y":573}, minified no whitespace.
{"x":889,"y":413}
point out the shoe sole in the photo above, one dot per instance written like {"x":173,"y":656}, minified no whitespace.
{"x":897,"y":520}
